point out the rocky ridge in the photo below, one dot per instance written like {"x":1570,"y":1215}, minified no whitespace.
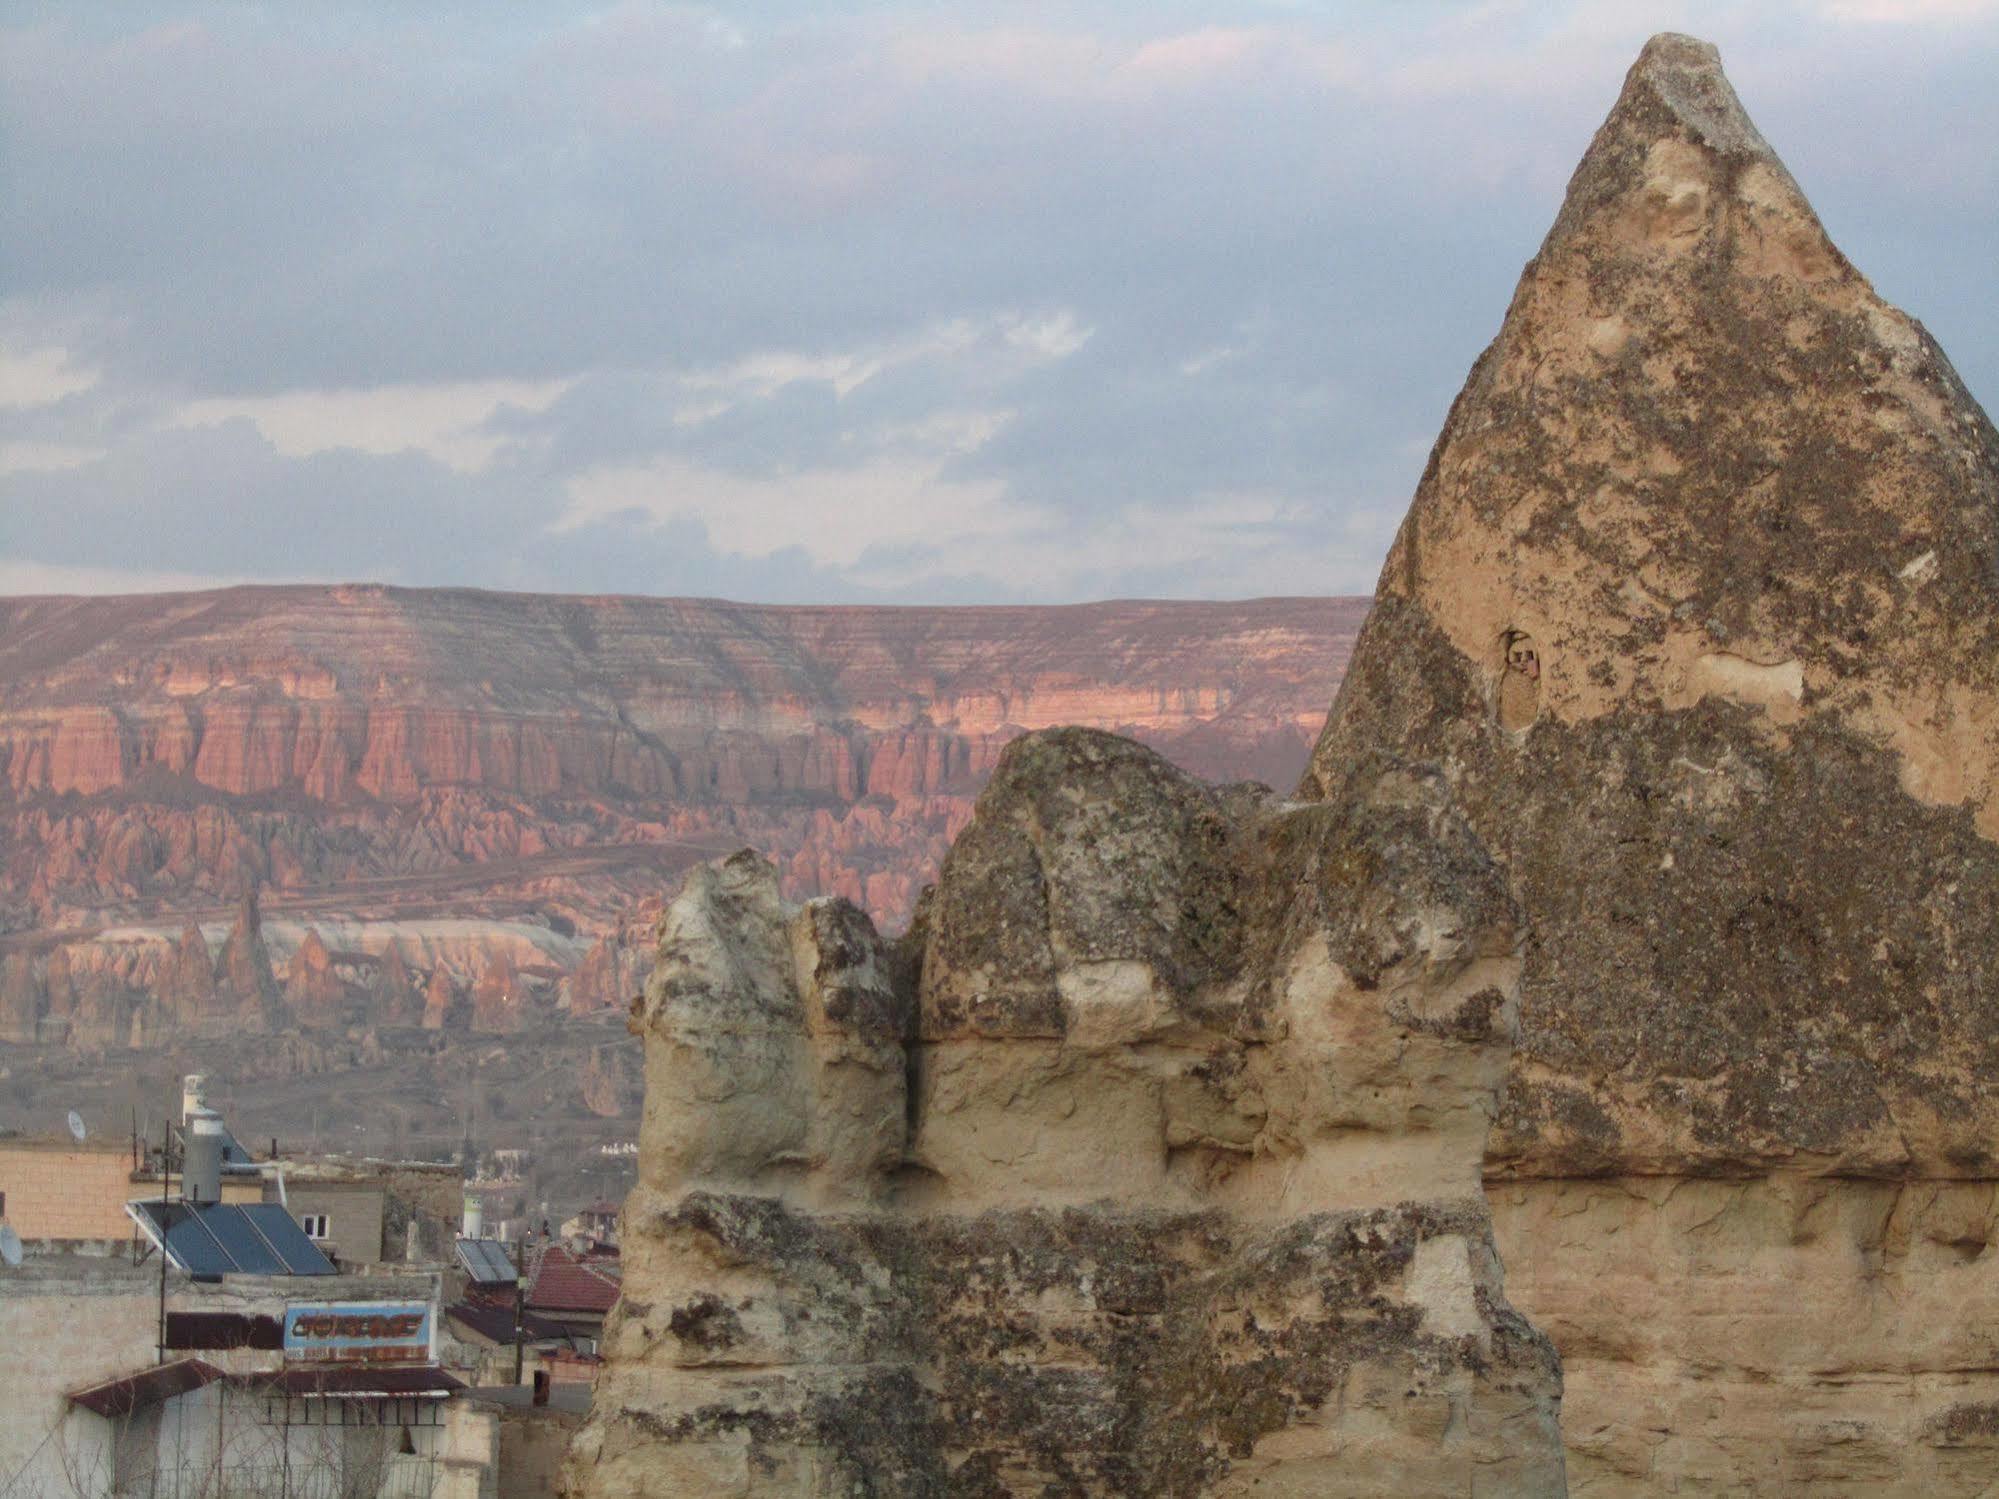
{"x":1147,"y":1163}
{"x":427,"y":788}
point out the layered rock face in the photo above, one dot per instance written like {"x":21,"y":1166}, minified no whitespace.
{"x":1697,"y":607}
{"x":390,"y":767}
{"x":1148,"y":1163}
{"x":185,"y":745}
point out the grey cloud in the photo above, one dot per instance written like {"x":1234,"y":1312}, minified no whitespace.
{"x":221,"y":502}
{"x":1287,"y":262}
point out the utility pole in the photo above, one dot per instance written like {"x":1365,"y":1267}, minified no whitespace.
{"x":166,"y":1158}
{"x":520,"y":1307}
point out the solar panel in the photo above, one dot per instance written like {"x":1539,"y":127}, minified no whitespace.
{"x":215,"y":1238}
{"x":241,"y":1242}
{"x":487,"y":1262}
{"x":281,"y":1231}
{"x":185,"y":1238}
{"x":482,"y":1262}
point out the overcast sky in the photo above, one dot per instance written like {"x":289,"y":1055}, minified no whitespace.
{"x":831,"y":301}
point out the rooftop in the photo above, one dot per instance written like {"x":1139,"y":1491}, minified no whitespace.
{"x":564,"y":1283}
{"x":494,"y":1321}
{"x":67,"y":1144}
{"x":120,"y":1397}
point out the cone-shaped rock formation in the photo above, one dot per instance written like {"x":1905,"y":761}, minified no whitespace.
{"x":247,"y":987}
{"x":444,"y":1006}
{"x":396,"y":1000}
{"x":23,"y":999}
{"x":1150,"y":1162}
{"x":1698,"y":608}
{"x":499,"y":999}
{"x":186,"y":986}
{"x":313,"y":990}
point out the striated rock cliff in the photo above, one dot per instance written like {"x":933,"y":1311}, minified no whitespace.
{"x":394,"y":768}
{"x":1147,"y":1164}
{"x":1698,"y":607}
{"x":383,"y":691}
{"x":366,"y":697}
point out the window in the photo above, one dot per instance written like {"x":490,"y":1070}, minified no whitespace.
{"x":314,"y":1224}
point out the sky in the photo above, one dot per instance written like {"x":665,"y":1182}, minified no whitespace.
{"x":843,"y":302}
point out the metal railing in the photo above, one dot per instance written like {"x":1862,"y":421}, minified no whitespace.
{"x":395,"y":1476}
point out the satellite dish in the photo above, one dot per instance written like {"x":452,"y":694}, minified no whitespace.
{"x":76,"y":1126}
{"x":10,"y":1245}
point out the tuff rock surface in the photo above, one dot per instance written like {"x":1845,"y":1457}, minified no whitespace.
{"x":1147,"y":1163}
{"x":1697,"y":609}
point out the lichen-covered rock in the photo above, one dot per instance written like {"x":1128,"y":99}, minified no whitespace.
{"x":1148,"y":1163}
{"x":1697,"y":607}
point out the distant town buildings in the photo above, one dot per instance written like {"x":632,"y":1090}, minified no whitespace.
{"x":575,"y":1288}
{"x":199,"y":1320}
{"x":598,"y":1223}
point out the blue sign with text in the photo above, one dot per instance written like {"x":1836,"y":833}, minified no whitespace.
{"x":393,"y":1331}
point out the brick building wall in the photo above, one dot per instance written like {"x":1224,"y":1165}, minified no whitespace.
{"x":62,"y":1190}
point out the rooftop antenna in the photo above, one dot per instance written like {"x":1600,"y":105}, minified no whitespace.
{"x":76,"y":1129}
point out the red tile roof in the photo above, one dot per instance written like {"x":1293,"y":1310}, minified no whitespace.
{"x":562,"y":1283}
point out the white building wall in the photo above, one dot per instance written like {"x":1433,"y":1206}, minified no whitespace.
{"x":66,"y":1321}
{"x":73,"y":1319}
